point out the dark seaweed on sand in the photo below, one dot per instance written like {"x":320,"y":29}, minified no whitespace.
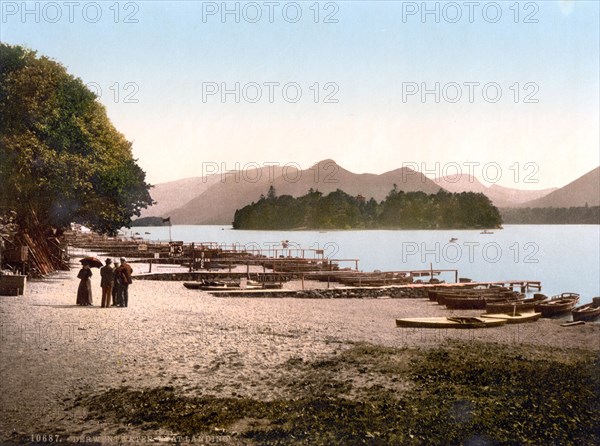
{"x":461,"y":393}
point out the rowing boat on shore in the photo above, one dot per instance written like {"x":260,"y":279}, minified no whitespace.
{"x":449,"y":322}
{"x":558,"y":305}
{"x":587,"y":312}
{"x":442,"y":296}
{"x":516,"y":318}
{"x":471,"y":303}
{"x":515,"y":306}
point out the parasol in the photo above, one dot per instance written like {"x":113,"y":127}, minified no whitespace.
{"x":92,"y":262}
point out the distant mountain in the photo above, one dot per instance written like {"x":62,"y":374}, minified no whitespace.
{"x":213,"y":200}
{"x":174,"y":194}
{"x":461,"y":183}
{"x":217,"y":205}
{"x":507,"y":197}
{"x":582,"y":191}
{"x":502,"y":197}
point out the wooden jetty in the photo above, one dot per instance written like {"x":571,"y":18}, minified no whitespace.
{"x":216,"y":261}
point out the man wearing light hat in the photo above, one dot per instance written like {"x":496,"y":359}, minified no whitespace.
{"x":107,"y":274}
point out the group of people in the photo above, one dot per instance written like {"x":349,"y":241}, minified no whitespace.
{"x":114,"y":282}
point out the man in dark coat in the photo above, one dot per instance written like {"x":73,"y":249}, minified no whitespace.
{"x":125,"y":272}
{"x":107,"y":275}
{"x":116,"y":290}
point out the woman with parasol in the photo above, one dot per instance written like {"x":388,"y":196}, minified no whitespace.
{"x":84,"y":291}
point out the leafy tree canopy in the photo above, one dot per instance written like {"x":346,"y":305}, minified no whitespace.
{"x":61,"y":159}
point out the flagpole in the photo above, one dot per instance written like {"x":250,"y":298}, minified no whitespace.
{"x":168,"y":219}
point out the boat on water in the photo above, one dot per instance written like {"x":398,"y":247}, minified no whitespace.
{"x":224,"y":286}
{"x":516,"y":318}
{"x":587,"y":312}
{"x":449,"y":322}
{"x":486,"y":232}
{"x":557,"y":305}
{"x":515,"y":306}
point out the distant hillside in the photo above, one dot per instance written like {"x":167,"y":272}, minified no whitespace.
{"x":501,"y":196}
{"x":214,"y":201}
{"x":512,"y":196}
{"x":217,"y":205}
{"x":584,"y":215}
{"x":582,"y":191}
{"x":175,"y":194}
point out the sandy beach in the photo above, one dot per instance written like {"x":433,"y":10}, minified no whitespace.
{"x":55,"y":353}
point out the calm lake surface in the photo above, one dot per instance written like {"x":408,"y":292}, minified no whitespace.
{"x":562,"y":257}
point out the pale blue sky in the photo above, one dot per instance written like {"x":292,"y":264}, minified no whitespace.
{"x":368,"y":54}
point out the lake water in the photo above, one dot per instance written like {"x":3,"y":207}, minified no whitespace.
{"x":562,"y":257}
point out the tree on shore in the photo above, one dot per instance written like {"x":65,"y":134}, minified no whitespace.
{"x":61,"y":159}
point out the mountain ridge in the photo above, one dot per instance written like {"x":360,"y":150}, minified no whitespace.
{"x":214,"y":199}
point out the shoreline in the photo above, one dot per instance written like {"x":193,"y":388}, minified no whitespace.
{"x":55,"y":352}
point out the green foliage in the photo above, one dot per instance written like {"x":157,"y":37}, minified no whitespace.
{"x":61,"y":159}
{"x":459,"y":393}
{"x":585,"y":215}
{"x":149,"y":221}
{"x":338,"y":210}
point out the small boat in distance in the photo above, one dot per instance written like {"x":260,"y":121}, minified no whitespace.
{"x":485,"y":231}
{"x":587,"y":312}
{"x":453,"y":239}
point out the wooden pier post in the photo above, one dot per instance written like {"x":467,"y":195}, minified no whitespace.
{"x":193,"y":262}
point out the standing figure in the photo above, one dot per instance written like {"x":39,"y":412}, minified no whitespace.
{"x":116,"y":289}
{"x":106,"y":282}
{"x":84,"y":291}
{"x":125,"y":271}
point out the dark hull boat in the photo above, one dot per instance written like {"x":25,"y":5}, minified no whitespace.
{"x":226,"y":286}
{"x":558,"y":305}
{"x":471,"y":303}
{"x":587,"y":312}
{"x":515,"y":306}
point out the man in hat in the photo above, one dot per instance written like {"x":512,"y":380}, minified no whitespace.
{"x":116,"y":289}
{"x":125,"y":272}
{"x":106,"y":282}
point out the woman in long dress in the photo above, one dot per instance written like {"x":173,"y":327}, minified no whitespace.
{"x":84,"y":292}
